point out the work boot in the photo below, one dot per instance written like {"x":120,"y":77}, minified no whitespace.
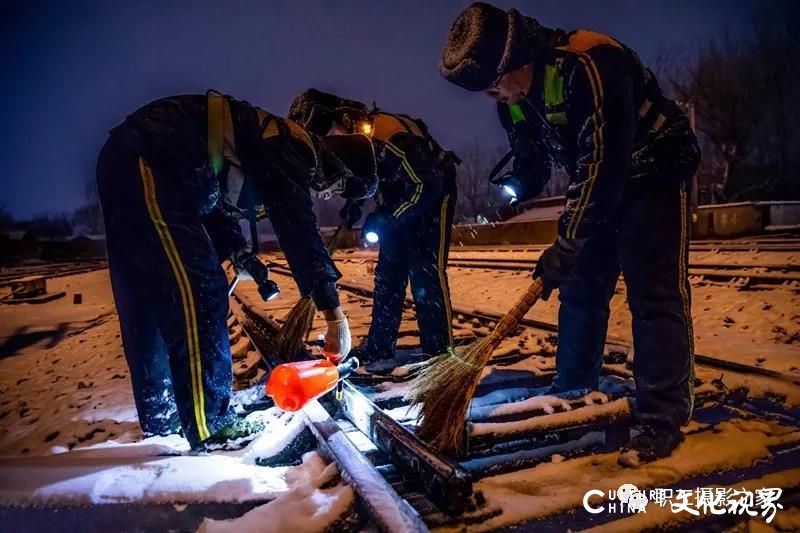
{"x":171,"y":426}
{"x":649,"y":444}
{"x":234,"y":436}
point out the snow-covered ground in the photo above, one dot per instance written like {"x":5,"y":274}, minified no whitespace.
{"x":754,"y":327}
{"x":69,"y":433}
{"x":67,"y":418}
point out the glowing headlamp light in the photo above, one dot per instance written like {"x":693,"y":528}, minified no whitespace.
{"x":268,"y":290}
{"x":371,"y":237}
{"x":509,"y":190}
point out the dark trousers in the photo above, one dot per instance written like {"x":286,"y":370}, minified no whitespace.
{"x":171,"y":297}
{"x":649,"y":243}
{"x":418,"y":252}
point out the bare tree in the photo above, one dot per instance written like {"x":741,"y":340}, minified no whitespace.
{"x":721,"y":80}
{"x":49,"y":226}
{"x":776,"y":48}
{"x":744,"y":90}
{"x":476,"y":196}
{"x":88,"y":218}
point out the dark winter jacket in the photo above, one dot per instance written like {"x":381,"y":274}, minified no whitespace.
{"x":599,"y":113}
{"x":229,"y":159}
{"x":414,"y":171}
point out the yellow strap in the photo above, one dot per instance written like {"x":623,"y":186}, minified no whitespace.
{"x":298,"y":132}
{"x":187,"y":297}
{"x":443,"y":229}
{"x":584,"y":40}
{"x":216,"y":131}
{"x":271,"y":130}
{"x":295,"y":130}
{"x":386,"y":126}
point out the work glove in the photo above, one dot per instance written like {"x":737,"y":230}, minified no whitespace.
{"x":337,"y":340}
{"x":350,"y":213}
{"x":556,"y":264}
{"x":249,"y":266}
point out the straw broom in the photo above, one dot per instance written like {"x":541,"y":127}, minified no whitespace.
{"x":298,"y":321}
{"x":445,"y":387}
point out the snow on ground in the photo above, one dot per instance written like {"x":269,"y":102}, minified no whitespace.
{"x":67,"y":415}
{"x":560,"y":485}
{"x":658,"y":517}
{"x":68,"y":426}
{"x":315,"y":501}
{"x":64,"y":381}
{"x":153,"y":470}
{"x":754,"y":327}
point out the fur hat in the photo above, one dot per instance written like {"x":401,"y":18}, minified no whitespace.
{"x":485,"y":42}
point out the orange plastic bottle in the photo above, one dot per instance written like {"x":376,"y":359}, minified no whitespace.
{"x":293,"y":385}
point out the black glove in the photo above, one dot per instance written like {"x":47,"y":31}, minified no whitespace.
{"x":350,"y":213}
{"x":556,"y":263}
{"x":247,"y":261}
{"x":377,"y":222}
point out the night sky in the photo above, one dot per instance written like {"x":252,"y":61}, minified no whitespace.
{"x":70,"y":70}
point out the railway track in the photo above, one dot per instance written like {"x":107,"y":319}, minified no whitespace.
{"x":51,"y":270}
{"x":771,"y":276}
{"x":510,"y":432}
{"x":761,"y":244}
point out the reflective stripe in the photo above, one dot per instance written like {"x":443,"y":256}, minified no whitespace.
{"x":554,"y":96}
{"x":597,"y":142}
{"x":440,"y":261}
{"x":687,"y":310}
{"x":187,"y":297}
{"x":515,"y":110}
{"x":410,"y":171}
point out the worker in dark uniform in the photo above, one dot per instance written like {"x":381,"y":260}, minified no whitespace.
{"x":583,"y":101}
{"x":175,"y":179}
{"x":416,"y":200}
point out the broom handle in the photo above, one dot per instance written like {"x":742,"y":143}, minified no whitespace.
{"x":333,"y":244}
{"x":511,"y":319}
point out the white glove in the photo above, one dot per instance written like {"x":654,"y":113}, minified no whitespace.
{"x":337,"y":340}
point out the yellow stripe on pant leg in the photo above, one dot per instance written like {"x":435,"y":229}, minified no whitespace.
{"x":440,"y":261}
{"x":687,"y":310}
{"x":187,"y":297}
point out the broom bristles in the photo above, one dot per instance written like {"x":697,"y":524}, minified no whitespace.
{"x":295,"y":328}
{"x":441,"y":418}
{"x":300,"y":318}
{"x":445,"y":388}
